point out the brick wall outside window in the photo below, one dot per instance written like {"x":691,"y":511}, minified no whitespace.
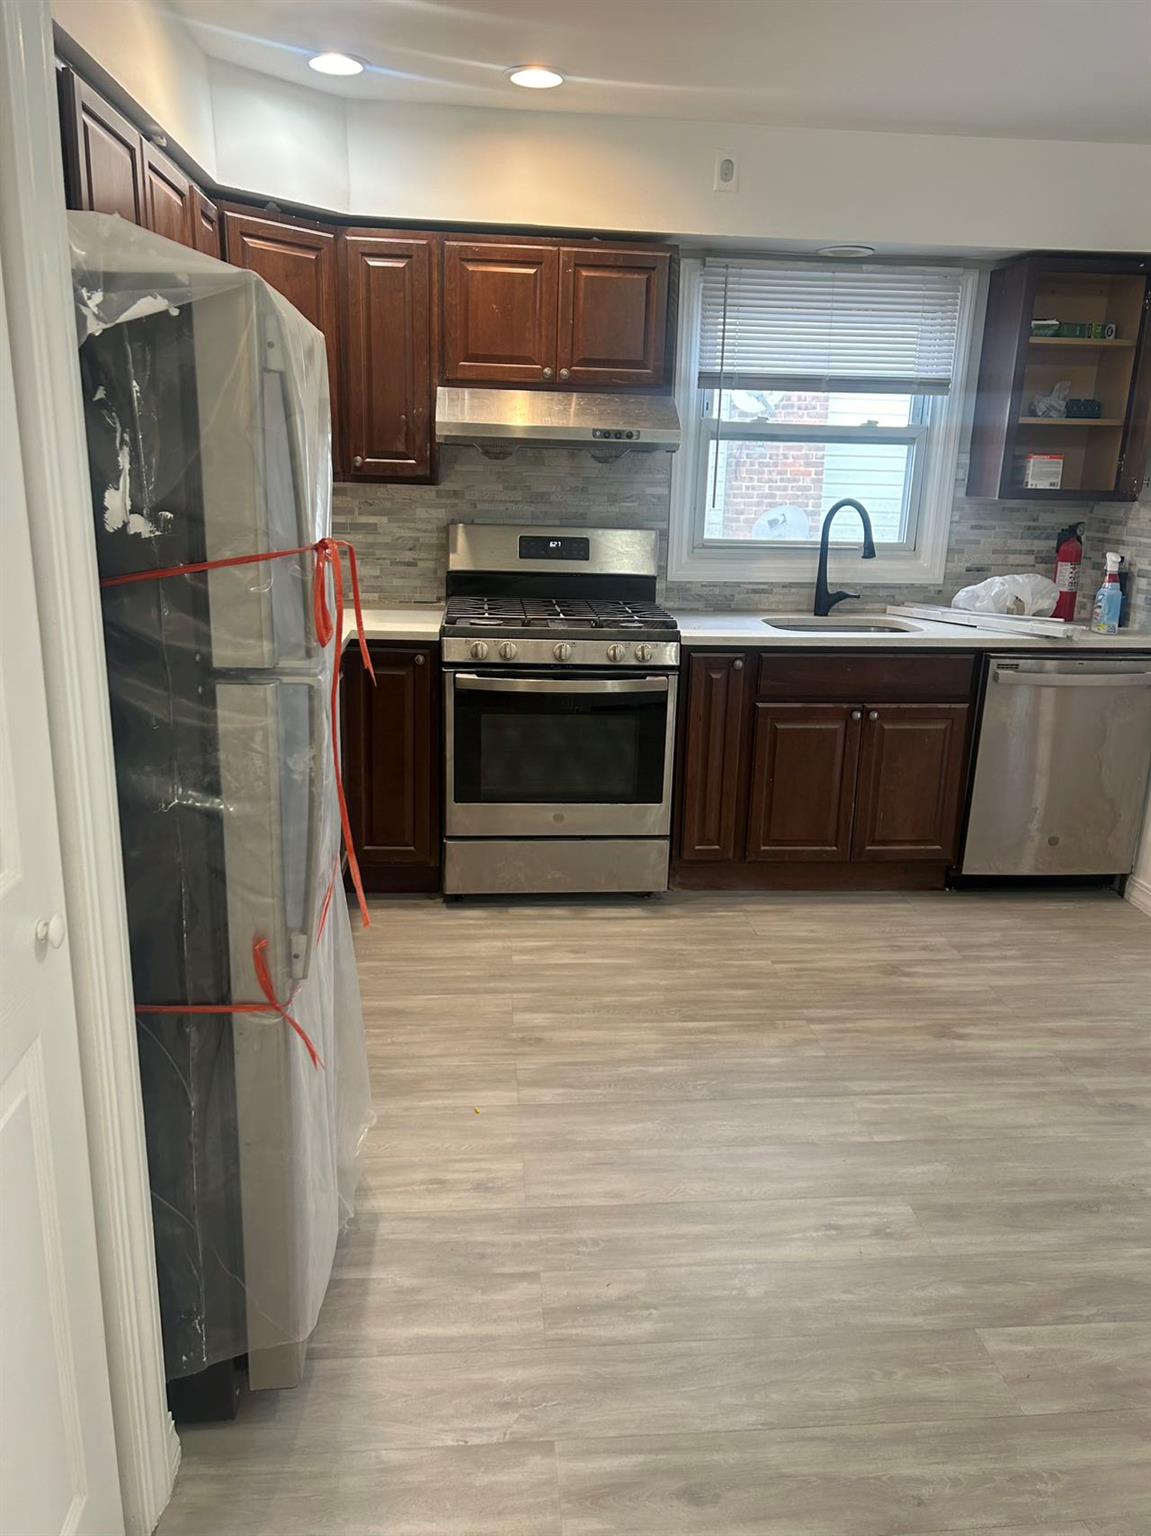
{"x":760,"y":476}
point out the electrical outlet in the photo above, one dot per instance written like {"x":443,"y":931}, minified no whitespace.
{"x":726,"y":173}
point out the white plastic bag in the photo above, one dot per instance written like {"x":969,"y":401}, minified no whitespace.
{"x":1032,"y":596}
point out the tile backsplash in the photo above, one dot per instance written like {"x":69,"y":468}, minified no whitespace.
{"x":400,"y":530}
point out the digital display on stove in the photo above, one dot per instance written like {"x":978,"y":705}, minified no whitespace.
{"x":534,"y":546}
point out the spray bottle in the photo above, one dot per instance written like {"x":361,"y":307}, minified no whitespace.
{"x":1108,"y":599}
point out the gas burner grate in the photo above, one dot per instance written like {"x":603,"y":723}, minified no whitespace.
{"x":557,"y":613}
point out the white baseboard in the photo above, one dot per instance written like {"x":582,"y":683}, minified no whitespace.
{"x":1138,"y":893}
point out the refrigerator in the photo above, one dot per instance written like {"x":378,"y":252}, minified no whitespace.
{"x":206,"y":408}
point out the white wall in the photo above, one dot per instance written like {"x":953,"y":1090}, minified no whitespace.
{"x":151,"y":55}
{"x":279,"y":140}
{"x":795,"y":185}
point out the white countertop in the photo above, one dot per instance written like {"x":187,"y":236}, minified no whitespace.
{"x":749,"y":630}
{"x":420,"y":622}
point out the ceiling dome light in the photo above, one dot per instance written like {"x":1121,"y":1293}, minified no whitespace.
{"x":847,"y":252}
{"x":335,"y":64}
{"x":535,"y":77}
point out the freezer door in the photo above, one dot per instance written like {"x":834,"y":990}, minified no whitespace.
{"x":1061,"y":768}
{"x":264,"y":469}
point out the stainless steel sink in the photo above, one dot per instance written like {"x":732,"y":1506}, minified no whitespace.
{"x":845,"y":624}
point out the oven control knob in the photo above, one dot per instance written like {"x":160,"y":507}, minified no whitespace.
{"x":478,"y":650}
{"x":561,"y":650}
{"x":643,"y":651}
{"x":509,"y":650}
{"x":617,"y":653}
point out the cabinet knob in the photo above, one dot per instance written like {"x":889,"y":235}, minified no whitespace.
{"x":737,"y":666}
{"x":547,"y":373}
{"x":420,"y":660}
{"x":857,"y":714}
{"x":565,"y":373}
{"x":873,"y":714}
{"x":357,"y":462}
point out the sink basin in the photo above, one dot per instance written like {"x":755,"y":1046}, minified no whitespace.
{"x":846,"y":624}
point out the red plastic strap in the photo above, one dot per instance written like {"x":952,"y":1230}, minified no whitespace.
{"x":327,"y":906}
{"x":264,"y":977}
{"x":273,"y":1005}
{"x":328,"y":553}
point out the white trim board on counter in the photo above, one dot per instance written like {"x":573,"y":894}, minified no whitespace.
{"x":1058,"y":630}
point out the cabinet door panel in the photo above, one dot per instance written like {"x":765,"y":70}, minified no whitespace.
{"x":910,"y":782}
{"x":499,"y":312}
{"x":168,"y":197}
{"x":388,"y":289}
{"x":299,"y":261}
{"x":712,"y":757}
{"x":803,"y":768}
{"x":612,"y":317}
{"x":205,"y":224}
{"x":391,"y":761}
{"x":104,"y":153}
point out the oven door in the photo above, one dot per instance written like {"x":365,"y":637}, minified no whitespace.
{"x":575,"y":755}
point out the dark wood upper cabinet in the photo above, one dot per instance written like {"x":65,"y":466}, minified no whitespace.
{"x":613,"y":316}
{"x":391,"y":756}
{"x":910,"y":781}
{"x":388,"y":288}
{"x":298,"y":259}
{"x":543,"y":312}
{"x":169,"y":197}
{"x":499,"y":312}
{"x":206,"y":232}
{"x":103,"y":152}
{"x":1100,"y":456}
{"x":803,"y":768}
{"x":711,"y":781}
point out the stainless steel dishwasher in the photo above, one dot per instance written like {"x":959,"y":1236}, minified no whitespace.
{"x":1061,"y":767}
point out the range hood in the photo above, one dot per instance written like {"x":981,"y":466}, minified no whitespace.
{"x":500,"y":420}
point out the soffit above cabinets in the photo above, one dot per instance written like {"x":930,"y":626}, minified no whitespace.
{"x":981,"y":68}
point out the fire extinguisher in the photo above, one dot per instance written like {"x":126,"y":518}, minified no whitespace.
{"x":1068,"y":560}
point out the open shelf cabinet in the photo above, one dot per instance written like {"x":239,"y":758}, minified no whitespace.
{"x":1103,"y":458}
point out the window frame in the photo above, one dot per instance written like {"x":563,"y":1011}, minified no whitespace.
{"x":692,"y":556}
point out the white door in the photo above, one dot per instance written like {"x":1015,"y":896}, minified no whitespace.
{"x":57,"y":1456}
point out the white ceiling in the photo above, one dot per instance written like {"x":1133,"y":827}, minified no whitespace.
{"x":1049,"y":69}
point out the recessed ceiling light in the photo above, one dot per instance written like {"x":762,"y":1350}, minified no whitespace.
{"x":535,"y":77}
{"x":335,"y":64}
{"x":847,"y":252}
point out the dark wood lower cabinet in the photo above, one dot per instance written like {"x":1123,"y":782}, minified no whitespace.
{"x":711,"y":762}
{"x":782,"y":784}
{"x":910,"y":776}
{"x":391,"y":753}
{"x":803,"y":766}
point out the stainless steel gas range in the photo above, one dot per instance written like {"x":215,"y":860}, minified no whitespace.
{"x":560,"y":683}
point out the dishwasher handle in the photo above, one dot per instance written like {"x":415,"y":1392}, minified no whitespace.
{"x":1074,"y":679}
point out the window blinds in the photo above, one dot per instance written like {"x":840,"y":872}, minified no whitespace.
{"x":775,"y":325}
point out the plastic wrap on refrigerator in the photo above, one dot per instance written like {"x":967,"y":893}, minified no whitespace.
{"x":206,"y":405}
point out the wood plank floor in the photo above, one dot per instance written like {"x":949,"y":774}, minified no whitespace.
{"x":731,"y":1216}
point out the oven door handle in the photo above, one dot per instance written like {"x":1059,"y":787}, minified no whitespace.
{"x":471,"y":682}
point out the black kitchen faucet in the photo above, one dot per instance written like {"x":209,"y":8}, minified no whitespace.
{"x":825,"y":601}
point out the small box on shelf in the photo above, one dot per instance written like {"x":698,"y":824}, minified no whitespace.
{"x":1043,"y":471}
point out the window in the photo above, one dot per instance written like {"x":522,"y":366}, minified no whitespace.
{"x":802,"y":383}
